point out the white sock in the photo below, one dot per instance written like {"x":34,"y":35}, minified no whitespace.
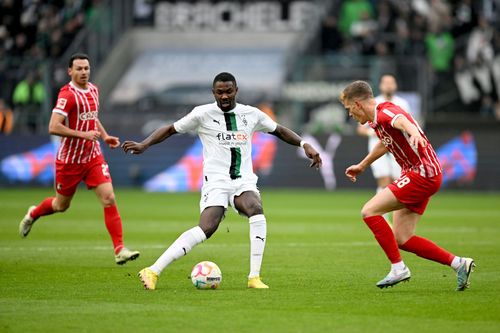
{"x":258,"y":235}
{"x":455,"y":263}
{"x":399,"y":266}
{"x":179,"y":248}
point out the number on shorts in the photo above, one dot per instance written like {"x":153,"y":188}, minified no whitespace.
{"x":105,"y":169}
{"x":403,"y":181}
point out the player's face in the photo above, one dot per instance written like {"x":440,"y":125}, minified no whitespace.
{"x":356,"y":111}
{"x":388,"y":85}
{"x":225,"y":95}
{"x":80,"y":72}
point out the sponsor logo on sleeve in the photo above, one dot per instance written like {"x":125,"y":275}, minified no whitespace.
{"x":61,"y":103}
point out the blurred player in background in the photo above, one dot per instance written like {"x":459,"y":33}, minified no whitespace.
{"x":79,"y":158}
{"x":407,"y":197}
{"x":385,"y":169}
{"x":225,"y":129}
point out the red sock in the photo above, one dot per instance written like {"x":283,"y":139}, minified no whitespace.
{"x":384,"y":236}
{"x":427,"y":249}
{"x":114,"y":225}
{"x":44,"y":208}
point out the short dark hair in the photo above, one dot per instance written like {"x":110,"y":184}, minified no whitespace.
{"x":224,"y":77}
{"x":77,"y":56}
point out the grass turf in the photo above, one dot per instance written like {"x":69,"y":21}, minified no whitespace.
{"x":321,"y":263}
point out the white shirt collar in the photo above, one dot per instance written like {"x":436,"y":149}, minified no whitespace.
{"x":78,"y":88}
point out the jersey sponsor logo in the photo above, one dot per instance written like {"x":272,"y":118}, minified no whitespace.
{"x":88,"y":115}
{"x":61,"y":103}
{"x":237,"y":138}
{"x":386,"y":140}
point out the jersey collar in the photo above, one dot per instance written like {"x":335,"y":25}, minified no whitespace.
{"x":78,"y":88}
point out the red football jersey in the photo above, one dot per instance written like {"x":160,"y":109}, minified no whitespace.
{"x":423,"y":161}
{"x":81,"y":108}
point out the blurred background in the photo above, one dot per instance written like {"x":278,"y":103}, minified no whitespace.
{"x":154,"y":60}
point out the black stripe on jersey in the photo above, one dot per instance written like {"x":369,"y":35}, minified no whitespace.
{"x":230,"y":119}
{"x":234,"y":169}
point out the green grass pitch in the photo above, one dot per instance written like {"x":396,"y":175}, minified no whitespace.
{"x":321,"y":263}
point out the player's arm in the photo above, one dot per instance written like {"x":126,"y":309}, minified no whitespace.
{"x":157,"y":136}
{"x":377,"y":151}
{"x":403,"y":124}
{"x":57,"y":127}
{"x":293,"y":138}
{"x":111,"y":141}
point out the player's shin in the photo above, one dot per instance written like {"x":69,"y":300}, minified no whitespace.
{"x":427,"y":249}
{"x":258,"y":235}
{"x":113,"y":223}
{"x":182,"y":245}
{"x":44,"y":208}
{"x":384,"y":236}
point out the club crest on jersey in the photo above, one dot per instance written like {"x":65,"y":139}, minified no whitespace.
{"x":61,"y":103}
{"x":88,"y":115}
{"x":237,"y":138}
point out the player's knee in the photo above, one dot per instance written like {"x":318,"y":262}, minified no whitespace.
{"x":366,"y":211}
{"x":255,"y":209}
{"x":60,"y":206}
{"x":401,"y":238}
{"x":108,"y":200}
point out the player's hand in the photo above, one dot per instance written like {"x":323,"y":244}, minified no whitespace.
{"x":133,"y":147}
{"x":352,"y":171}
{"x":417,"y":141}
{"x":112,"y":141}
{"x":91,"y":135}
{"x":313,"y":155}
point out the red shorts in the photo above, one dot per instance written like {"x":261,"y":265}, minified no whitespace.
{"x":415,"y":191}
{"x":68,"y":176}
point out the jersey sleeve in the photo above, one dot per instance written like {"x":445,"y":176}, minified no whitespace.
{"x":387,"y":116}
{"x":264,"y":122}
{"x":189,"y":122}
{"x":65,"y":103}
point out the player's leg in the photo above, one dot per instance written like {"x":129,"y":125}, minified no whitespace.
{"x":383,"y":202}
{"x":210,"y":219}
{"x":48,"y":206}
{"x":249,"y":204}
{"x":113,"y":222}
{"x":404,"y":225}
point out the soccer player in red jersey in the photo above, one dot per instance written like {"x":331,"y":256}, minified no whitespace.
{"x":407,"y":196}
{"x":79,"y":158}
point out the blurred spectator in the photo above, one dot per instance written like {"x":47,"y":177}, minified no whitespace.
{"x":440,"y":48}
{"x":6,"y":118}
{"x":331,"y":39}
{"x":353,"y":11}
{"x":29,"y":94}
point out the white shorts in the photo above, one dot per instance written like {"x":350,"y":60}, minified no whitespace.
{"x":386,"y":165}
{"x":222,"y":193}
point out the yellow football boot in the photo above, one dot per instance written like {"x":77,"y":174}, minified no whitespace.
{"x":256,"y":283}
{"x":148,"y":278}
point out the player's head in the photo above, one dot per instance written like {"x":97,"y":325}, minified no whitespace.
{"x":357,"y":98}
{"x":79,"y":69}
{"x":224,"y":89}
{"x":388,"y":85}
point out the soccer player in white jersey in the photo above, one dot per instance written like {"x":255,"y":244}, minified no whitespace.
{"x":225,"y":129}
{"x":408,"y":196}
{"x":385,"y":170}
{"x":79,"y":157}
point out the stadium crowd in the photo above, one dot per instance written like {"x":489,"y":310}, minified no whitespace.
{"x":460,"y":39}
{"x":31,"y":31}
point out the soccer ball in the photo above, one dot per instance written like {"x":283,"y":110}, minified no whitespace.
{"x":206,"y":275}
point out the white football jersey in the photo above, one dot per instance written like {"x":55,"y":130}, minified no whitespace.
{"x":226,"y":138}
